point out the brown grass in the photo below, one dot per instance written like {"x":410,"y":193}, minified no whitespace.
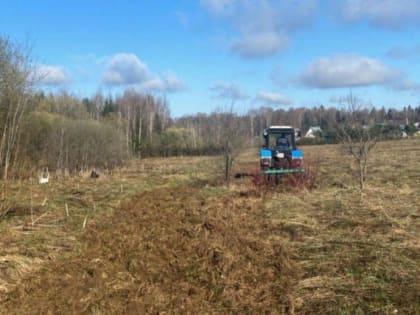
{"x":169,"y":250}
{"x":358,"y":250}
{"x":165,"y":236}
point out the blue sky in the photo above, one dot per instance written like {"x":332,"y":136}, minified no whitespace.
{"x":213,"y":53}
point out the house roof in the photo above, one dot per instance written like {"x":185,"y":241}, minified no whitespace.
{"x":280,"y":127}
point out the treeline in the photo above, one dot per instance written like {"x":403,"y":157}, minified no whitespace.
{"x":142,"y":125}
{"x":253,"y":123}
{"x":68,"y":134}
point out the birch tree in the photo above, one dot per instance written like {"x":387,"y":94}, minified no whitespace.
{"x":16,"y":82}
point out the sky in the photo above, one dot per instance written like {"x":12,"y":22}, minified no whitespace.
{"x":208,"y":54}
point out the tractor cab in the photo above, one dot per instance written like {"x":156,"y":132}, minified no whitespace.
{"x":279,"y":154}
{"x":280,"y":138}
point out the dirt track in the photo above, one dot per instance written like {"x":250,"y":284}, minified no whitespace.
{"x":167,"y":251}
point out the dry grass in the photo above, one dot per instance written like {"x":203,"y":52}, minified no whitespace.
{"x":162,"y":236}
{"x":169,"y":249}
{"x":42,"y":222}
{"x":359,"y":250}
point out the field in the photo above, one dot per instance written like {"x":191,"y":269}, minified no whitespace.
{"x":166,"y":236}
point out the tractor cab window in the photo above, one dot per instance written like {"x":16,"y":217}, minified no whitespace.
{"x":282,"y":142}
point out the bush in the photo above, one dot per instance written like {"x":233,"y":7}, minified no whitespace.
{"x":58,"y":143}
{"x":307,"y":180}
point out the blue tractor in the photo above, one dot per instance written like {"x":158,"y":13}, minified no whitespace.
{"x":279,"y":154}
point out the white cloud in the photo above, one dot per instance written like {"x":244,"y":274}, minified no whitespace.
{"x":125,"y":68}
{"x":270,"y":98}
{"x":347,"y":71}
{"x":167,"y":82}
{"x":260,"y":44}
{"x":128,"y":70}
{"x":52,"y":75}
{"x":262,"y":27}
{"x":382,"y":13}
{"x":228,"y":91}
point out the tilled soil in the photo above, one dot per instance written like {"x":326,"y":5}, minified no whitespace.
{"x":168,"y":251}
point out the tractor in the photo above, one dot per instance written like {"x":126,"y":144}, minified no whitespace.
{"x":279,"y":154}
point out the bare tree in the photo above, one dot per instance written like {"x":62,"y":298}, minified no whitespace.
{"x":16,"y":81}
{"x":231,"y":135}
{"x":357,"y":135}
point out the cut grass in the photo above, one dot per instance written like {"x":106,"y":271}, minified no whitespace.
{"x":164,"y":235}
{"x":36,"y":223}
{"x":358,"y":250}
{"x":169,"y":249}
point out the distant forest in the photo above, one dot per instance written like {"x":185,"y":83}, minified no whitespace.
{"x":68,"y":134}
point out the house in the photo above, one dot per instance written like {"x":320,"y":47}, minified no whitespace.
{"x":313,"y":132}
